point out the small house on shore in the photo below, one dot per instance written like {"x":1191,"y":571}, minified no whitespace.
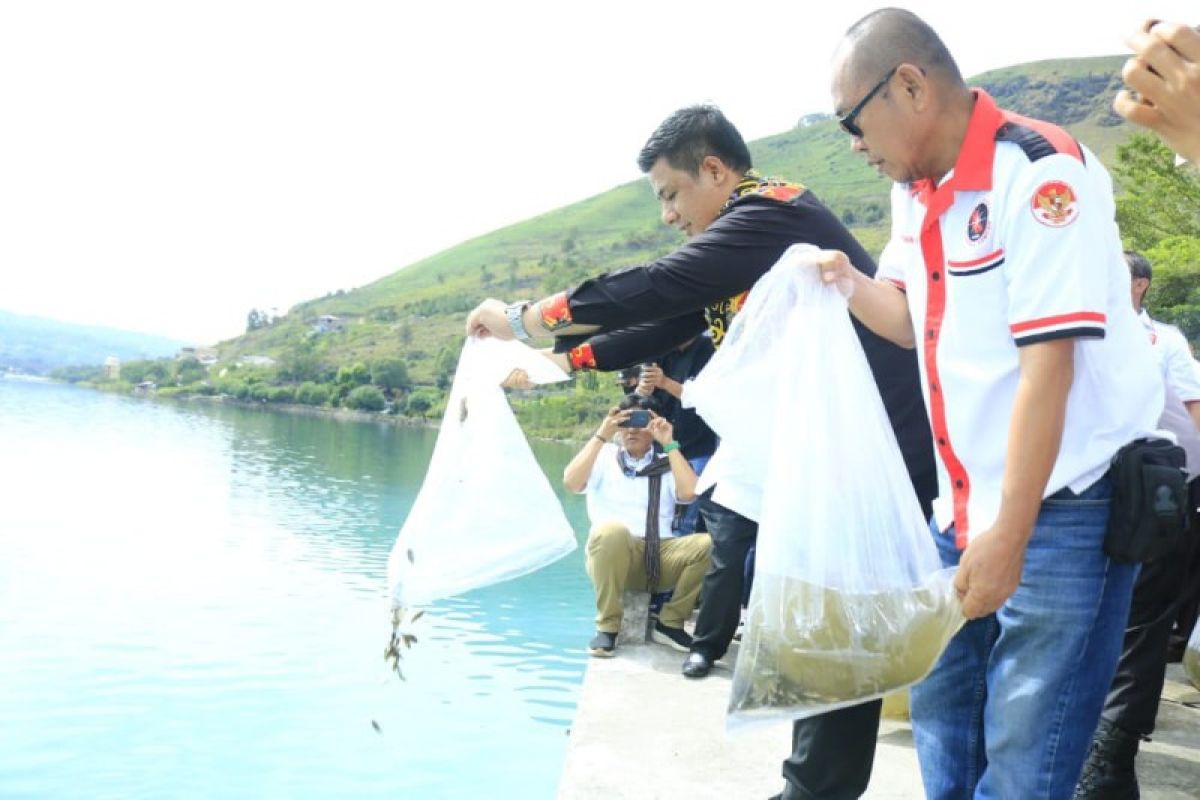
{"x":328,"y":323}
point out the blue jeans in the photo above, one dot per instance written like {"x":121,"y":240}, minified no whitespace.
{"x":691,"y":514}
{"x":1009,"y":710}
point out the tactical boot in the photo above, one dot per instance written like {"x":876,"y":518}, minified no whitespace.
{"x":1109,"y":772}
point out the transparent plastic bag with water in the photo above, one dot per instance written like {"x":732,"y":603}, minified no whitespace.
{"x":485,"y":512}
{"x":1191,"y":657}
{"x":850,"y":601}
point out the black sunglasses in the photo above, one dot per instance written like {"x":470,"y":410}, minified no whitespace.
{"x":847,"y":121}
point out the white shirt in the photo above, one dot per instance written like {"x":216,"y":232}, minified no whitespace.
{"x":1181,"y":374}
{"x":1018,"y":246}
{"x":737,"y":478}
{"x":613,"y":496}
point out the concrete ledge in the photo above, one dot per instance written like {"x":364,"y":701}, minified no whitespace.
{"x":635,"y":619}
{"x":644,"y":732}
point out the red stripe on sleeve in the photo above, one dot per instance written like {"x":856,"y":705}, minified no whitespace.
{"x":1046,"y":322}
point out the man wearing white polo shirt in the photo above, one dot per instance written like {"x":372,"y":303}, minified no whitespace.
{"x":1004,"y":270}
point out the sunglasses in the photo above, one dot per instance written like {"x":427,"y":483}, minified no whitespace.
{"x":848,"y":121}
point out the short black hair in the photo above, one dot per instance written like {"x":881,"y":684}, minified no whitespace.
{"x":691,"y":134}
{"x":1139,"y":265}
{"x":639,"y":401}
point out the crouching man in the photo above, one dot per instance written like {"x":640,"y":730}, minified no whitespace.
{"x":633,"y":474}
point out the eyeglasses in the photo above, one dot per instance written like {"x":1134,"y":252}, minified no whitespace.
{"x":848,"y":121}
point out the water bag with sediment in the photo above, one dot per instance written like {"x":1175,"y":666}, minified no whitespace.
{"x":815,"y":647}
{"x":850,"y":601}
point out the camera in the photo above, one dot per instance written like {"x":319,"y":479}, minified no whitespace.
{"x":640,"y":418}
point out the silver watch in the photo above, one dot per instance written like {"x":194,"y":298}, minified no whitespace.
{"x":514,"y":312}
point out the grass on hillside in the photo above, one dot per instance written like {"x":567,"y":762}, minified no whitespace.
{"x":417,"y":313}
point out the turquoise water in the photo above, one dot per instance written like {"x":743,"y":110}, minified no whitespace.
{"x":192,"y":605}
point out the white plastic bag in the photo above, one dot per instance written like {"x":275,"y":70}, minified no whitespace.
{"x":485,"y":512}
{"x":850,"y":601}
{"x":1191,"y":657}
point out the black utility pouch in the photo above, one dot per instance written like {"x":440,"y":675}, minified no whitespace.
{"x":1149,"y":501}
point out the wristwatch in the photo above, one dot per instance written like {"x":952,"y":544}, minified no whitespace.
{"x":514,"y":312}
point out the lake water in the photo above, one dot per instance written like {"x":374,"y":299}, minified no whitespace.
{"x":193,"y":605}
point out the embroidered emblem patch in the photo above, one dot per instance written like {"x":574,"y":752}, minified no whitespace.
{"x":1054,"y":204}
{"x":977,"y":225}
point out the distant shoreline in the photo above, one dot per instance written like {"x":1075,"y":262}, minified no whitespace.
{"x":339,"y":414}
{"x":24,"y":378}
{"x":299,"y":409}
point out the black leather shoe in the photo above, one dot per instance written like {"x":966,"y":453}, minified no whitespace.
{"x":696,"y":665}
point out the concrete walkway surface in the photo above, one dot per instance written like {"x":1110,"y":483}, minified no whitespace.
{"x":644,"y":732}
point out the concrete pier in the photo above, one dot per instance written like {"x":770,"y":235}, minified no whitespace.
{"x":644,"y":732}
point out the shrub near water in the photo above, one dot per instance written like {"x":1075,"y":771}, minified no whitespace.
{"x":366,"y":398}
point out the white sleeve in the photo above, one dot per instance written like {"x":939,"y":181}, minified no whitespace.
{"x":1058,"y":248}
{"x":1182,"y":370}
{"x":596,"y":478}
{"x":892,"y":260}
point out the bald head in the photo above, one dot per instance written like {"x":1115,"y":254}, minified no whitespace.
{"x":888,"y":37}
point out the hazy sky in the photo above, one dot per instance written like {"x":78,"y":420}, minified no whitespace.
{"x":166,"y":166}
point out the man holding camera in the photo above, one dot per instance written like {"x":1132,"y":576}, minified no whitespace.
{"x":631,"y":490}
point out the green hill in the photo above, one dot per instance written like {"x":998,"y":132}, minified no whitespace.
{"x":37,"y":345}
{"x":416,"y":314}
{"x":417,"y":310}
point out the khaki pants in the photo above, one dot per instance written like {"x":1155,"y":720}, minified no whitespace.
{"x":616,"y":562}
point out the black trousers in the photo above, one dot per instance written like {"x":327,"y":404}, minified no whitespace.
{"x":832,"y":754}
{"x":1132,"y":702}
{"x":721,"y":596}
{"x":1189,"y":603}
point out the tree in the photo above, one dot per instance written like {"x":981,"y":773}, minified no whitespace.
{"x":189,"y":371}
{"x":366,"y":398}
{"x":419,"y":403}
{"x":1159,"y":199}
{"x":300,"y":364}
{"x":356,"y":374}
{"x":389,"y":374}
{"x":1174,"y":295}
{"x":256,"y":319}
{"x":406,"y":333}
{"x":312,"y":394}
{"x":444,"y":366}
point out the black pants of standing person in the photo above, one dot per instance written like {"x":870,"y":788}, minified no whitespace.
{"x":721,"y":596}
{"x":832,"y":753}
{"x":1189,"y":603}
{"x":1132,"y":702}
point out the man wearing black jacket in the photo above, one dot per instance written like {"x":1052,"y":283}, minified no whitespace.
{"x":738,"y":224}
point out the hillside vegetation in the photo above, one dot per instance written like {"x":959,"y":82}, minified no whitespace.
{"x":414,"y":316}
